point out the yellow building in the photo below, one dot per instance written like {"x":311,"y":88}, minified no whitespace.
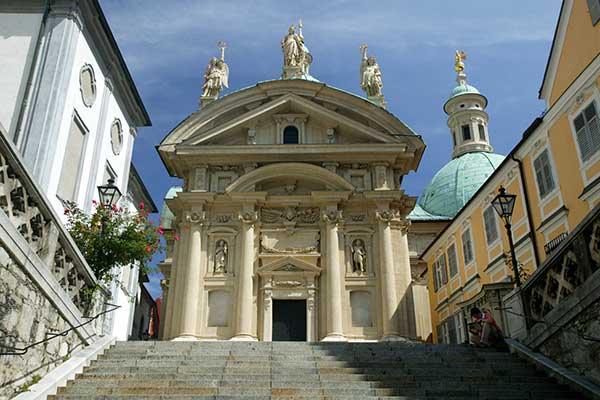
{"x":554,"y":171}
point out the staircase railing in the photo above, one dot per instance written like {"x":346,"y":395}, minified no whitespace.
{"x":19,"y":351}
{"x":31,"y":214}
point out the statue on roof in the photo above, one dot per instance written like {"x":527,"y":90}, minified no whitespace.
{"x":370,"y":77}
{"x":293,"y":47}
{"x":296,"y":56}
{"x":459,"y":65}
{"x":216,"y":75}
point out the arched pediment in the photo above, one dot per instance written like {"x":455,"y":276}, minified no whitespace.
{"x":283,"y":171}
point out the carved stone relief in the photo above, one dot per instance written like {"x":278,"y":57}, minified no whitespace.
{"x":283,"y":242}
{"x":303,"y":215}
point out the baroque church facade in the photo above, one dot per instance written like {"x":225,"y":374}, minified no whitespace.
{"x":292,"y":223}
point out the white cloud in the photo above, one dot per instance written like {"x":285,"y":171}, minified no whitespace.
{"x":155,"y":34}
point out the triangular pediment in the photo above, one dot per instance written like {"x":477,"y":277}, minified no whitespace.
{"x":314,"y":119}
{"x":288,"y":264}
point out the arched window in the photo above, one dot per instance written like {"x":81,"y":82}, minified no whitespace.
{"x":291,"y":135}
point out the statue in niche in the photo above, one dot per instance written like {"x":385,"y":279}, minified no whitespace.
{"x":370,"y":74}
{"x":216,"y":75}
{"x":221,"y":255}
{"x":359,"y":256}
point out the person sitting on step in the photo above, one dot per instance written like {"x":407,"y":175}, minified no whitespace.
{"x":484,"y":331}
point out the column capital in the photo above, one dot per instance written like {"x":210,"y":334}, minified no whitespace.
{"x":248,"y":217}
{"x":195,"y":217}
{"x":332,"y":217}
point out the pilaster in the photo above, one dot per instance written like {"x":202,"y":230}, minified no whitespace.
{"x":42,"y":125}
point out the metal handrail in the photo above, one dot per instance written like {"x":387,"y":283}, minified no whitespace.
{"x":16,"y":351}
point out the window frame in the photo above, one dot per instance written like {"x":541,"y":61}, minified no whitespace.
{"x":572,"y":117}
{"x":297,"y":134}
{"x":75,"y":119}
{"x":462,"y":129}
{"x":544,"y":152}
{"x":453,"y":247}
{"x":482,"y":134}
{"x":494,"y":223}
{"x":471,"y":250}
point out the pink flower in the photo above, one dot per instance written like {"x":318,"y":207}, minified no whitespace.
{"x":160,"y":230}
{"x":176,"y":237}
{"x":94,"y":202}
{"x":148,"y":249}
{"x":66,"y":211}
{"x":150,"y":223}
{"x":141,"y":206}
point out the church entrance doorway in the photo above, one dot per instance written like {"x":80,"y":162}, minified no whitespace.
{"x":289,"y":320}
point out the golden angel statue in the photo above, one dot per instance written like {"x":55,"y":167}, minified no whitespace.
{"x":459,"y":65}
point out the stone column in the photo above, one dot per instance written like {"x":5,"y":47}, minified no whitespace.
{"x":245,"y":312}
{"x":389,"y":300}
{"x":191,"y":282}
{"x":335,"y":330}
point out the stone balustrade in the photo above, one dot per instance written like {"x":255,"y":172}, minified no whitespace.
{"x":43,"y":277}
{"x":31,"y":214}
{"x":562,"y":300}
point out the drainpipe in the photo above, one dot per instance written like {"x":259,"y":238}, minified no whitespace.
{"x":528,"y":205}
{"x":28,"y":87}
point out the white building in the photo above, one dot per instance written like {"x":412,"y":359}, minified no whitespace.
{"x":68,"y":102}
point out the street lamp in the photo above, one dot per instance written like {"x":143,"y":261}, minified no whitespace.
{"x":109,"y":194}
{"x":504,"y":204}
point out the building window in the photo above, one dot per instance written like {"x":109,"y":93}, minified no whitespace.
{"x":467,"y":246}
{"x":491,"y":227}
{"x":543,"y":174}
{"x":482,"y":132}
{"x":116,"y":136}
{"x":71,"y":167}
{"x":291,"y":135}
{"x":466,"y":132}
{"x":594,"y":7}
{"x":87,"y":85}
{"x":452,"y":262}
{"x":587,"y":131}
{"x":454,"y":138}
{"x":440,"y":274}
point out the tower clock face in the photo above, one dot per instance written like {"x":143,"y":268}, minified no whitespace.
{"x":116,"y":137}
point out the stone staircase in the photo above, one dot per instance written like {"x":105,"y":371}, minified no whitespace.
{"x":293,"y":370}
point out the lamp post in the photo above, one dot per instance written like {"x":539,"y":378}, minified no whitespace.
{"x":504,"y":204}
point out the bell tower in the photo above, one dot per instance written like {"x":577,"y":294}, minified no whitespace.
{"x":467,"y":118}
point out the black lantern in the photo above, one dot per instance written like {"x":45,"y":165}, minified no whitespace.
{"x":504,"y":204}
{"x":109,"y":194}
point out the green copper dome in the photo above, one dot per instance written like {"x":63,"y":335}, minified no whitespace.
{"x":463,"y":89}
{"x":454,"y":185}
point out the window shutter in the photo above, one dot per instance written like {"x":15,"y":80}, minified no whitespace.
{"x":444,"y":270}
{"x":587,"y":130}
{"x":436,"y":285}
{"x":452,"y":260}
{"x":594,"y":7}
{"x":491,"y":231}
{"x":467,"y":249}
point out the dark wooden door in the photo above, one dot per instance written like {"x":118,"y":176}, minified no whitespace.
{"x":289,"y":320}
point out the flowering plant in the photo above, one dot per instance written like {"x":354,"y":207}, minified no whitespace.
{"x":113,"y":237}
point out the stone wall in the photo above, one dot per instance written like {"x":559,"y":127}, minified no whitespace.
{"x":569,"y":346}
{"x":27,"y":316}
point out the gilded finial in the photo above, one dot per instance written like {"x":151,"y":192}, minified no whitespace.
{"x":459,"y":65}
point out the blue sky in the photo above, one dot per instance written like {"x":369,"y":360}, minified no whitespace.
{"x":167,"y":44}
